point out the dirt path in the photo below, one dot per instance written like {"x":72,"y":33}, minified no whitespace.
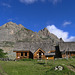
{"x":71,"y":68}
{"x":2,"y":72}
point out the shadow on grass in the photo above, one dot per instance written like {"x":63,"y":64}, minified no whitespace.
{"x":41,"y":63}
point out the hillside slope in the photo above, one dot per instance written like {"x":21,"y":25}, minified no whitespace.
{"x":10,"y":33}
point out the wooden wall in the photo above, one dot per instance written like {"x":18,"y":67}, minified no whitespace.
{"x":18,"y":54}
{"x":70,"y":54}
{"x":36,"y":55}
{"x":52,"y":51}
{"x":49,"y":58}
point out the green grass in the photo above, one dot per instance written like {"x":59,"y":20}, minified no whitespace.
{"x":34,"y":67}
{"x":64,"y":72}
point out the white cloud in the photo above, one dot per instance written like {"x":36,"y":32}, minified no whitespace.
{"x":33,"y":1}
{"x":55,"y":1}
{"x":67,"y":23}
{"x":72,"y":38}
{"x":28,"y":1}
{"x":6,"y":5}
{"x":60,"y":33}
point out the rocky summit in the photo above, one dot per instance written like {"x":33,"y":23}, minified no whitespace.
{"x":10,"y":33}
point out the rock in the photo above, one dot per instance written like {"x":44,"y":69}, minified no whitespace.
{"x":59,"y":68}
{"x":56,"y":68}
{"x":12,"y":33}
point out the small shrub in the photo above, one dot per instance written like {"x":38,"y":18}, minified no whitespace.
{"x":73,"y":56}
{"x":2,"y":54}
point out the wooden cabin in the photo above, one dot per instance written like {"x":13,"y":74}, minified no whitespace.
{"x":34,"y":50}
{"x":23,"y":54}
{"x":67,"y":49}
{"x":39,"y":50}
{"x":38,"y":54}
{"x":68,"y":54}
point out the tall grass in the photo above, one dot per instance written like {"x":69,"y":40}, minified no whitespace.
{"x":34,"y":67}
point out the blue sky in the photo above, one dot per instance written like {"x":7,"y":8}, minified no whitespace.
{"x":38,"y":14}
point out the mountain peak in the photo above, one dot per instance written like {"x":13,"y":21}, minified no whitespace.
{"x":13,"y":32}
{"x":20,"y":25}
{"x":10,"y":22}
{"x":45,"y":29}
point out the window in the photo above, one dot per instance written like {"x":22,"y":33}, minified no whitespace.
{"x":25,"y":53}
{"x":21,"y":53}
{"x":42,"y":53}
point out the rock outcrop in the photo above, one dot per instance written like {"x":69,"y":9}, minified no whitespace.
{"x":10,"y":33}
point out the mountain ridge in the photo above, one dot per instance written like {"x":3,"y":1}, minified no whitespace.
{"x":19,"y":33}
{"x":11,"y":34}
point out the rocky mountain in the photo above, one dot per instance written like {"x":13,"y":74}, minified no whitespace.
{"x":10,"y":33}
{"x":13,"y":32}
{"x":8,"y":30}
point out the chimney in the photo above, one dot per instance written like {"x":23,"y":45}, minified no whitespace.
{"x":61,"y":40}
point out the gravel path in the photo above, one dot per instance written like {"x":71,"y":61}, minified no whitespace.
{"x":2,"y":72}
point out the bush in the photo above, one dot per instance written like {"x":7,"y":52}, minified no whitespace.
{"x":2,"y":54}
{"x":73,"y":56}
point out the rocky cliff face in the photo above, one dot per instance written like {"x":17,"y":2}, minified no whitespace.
{"x":10,"y":33}
{"x":8,"y":30}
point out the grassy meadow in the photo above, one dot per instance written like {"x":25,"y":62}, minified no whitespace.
{"x":35,"y":67}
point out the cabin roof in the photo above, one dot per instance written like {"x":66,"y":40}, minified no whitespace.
{"x":33,"y":46}
{"x":21,"y":50}
{"x":47,"y":54}
{"x":67,"y":46}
